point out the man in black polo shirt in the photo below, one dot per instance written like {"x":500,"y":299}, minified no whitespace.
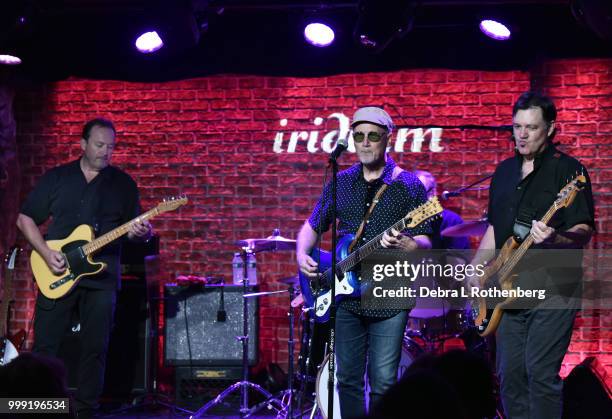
{"x":532,"y":342}
{"x":86,"y":191}
{"x":361,"y":332}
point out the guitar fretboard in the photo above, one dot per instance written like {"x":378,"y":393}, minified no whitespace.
{"x":526,"y":244}
{"x":413,"y":219}
{"x":114,"y":234}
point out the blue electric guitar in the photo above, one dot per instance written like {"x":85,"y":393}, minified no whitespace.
{"x":347,"y":281}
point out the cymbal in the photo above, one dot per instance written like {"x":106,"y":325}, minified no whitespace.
{"x":292,"y":280}
{"x":471,"y":228}
{"x":270,"y":243}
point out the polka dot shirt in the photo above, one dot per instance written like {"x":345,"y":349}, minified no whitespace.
{"x":354,"y":198}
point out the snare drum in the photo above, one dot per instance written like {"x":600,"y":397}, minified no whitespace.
{"x":410,"y":351}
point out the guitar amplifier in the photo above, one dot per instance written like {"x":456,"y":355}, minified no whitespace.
{"x":196,"y":386}
{"x":196,"y":335}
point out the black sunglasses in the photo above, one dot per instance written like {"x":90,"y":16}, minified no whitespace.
{"x":373,"y":136}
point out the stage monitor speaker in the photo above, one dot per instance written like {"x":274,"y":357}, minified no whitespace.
{"x":586,"y":393}
{"x":197,"y":334}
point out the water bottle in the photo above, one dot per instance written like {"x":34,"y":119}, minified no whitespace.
{"x":252,"y":269}
{"x":237,"y":269}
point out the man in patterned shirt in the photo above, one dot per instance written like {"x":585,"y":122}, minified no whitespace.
{"x":372,"y":334}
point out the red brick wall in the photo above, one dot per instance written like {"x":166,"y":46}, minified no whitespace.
{"x":212,"y":139}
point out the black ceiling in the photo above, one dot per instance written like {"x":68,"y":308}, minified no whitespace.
{"x":94,"y":38}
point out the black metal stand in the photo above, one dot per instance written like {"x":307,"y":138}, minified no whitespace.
{"x":287,"y":399}
{"x":152,"y":397}
{"x":245,"y":384}
{"x":305,"y":358}
{"x":331,"y":343}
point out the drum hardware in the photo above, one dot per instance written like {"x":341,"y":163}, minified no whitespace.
{"x":275,"y":242}
{"x":286,"y":396}
{"x":295,"y":282}
{"x":263,"y":293}
{"x":305,"y":359}
{"x":297,"y":301}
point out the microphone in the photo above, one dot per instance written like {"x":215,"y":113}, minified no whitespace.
{"x":341,"y":145}
{"x":449,"y":194}
{"x":221,"y":314}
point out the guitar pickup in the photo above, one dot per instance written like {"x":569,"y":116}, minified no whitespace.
{"x":62,"y":281}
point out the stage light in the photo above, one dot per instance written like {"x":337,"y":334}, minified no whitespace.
{"x":319,"y":34}
{"x":495,"y":30}
{"x":7,"y":59}
{"x":149,"y":42}
{"x":380,"y":22}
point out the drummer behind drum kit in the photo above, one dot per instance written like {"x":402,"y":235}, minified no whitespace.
{"x":422,"y":335}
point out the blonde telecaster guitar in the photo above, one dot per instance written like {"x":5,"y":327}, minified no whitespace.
{"x":78,"y":249}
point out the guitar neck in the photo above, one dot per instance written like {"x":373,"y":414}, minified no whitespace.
{"x":100,"y":242}
{"x":367,"y":249}
{"x":525,"y":245}
{"x":364,"y":251}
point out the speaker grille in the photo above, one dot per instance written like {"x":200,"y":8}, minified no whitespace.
{"x":193,"y":334}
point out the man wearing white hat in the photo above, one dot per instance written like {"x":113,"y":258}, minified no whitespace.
{"x":376,"y":181}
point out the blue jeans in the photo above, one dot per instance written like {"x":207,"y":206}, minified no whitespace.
{"x":379,"y":340}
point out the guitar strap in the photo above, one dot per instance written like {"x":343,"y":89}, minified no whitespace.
{"x":396,"y":172}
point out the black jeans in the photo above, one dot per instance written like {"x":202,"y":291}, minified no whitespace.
{"x":96,"y":308}
{"x":531,"y":345}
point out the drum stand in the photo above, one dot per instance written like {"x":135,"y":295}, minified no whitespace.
{"x":288,"y":395}
{"x":244,"y":385}
{"x":305,"y":357}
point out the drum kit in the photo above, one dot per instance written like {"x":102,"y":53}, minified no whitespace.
{"x":425,"y":330}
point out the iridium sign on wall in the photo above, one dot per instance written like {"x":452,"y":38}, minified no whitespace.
{"x":403,"y":140}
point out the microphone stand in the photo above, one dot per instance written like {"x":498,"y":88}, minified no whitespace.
{"x":331,"y":343}
{"x":469,"y":187}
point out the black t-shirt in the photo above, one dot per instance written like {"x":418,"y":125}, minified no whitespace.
{"x":533,"y":196}
{"x":511,"y":197}
{"x":108,"y":201}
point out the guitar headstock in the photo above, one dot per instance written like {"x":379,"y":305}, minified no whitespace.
{"x":172,"y":203}
{"x":11,"y":257}
{"x":567,"y":195}
{"x":425,"y":211}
